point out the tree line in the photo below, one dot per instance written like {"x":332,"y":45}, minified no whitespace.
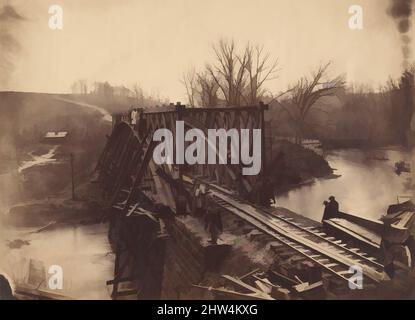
{"x":316,"y":106}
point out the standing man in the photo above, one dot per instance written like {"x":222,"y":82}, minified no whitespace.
{"x":200,"y":199}
{"x":213,"y":224}
{"x":141,"y":125}
{"x":134,"y":114}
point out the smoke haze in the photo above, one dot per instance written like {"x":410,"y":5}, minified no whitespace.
{"x":9,"y":45}
{"x":401,"y":12}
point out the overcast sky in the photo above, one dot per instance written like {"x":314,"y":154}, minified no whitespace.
{"x":154,"y":41}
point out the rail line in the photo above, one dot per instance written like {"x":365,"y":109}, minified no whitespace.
{"x":331,"y":254}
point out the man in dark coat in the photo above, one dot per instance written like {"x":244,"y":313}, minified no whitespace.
{"x":213,"y":224}
{"x":333,"y":207}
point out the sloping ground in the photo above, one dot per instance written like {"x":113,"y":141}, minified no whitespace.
{"x":113,"y":104}
{"x":26,"y":117}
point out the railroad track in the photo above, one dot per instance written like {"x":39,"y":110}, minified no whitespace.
{"x":331,"y":254}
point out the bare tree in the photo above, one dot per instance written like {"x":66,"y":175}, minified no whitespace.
{"x":104,"y":89}
{"x":229,"y":72}
{"x":259,"y":69}
{"x":201,"y":89}
{"x":79,"y":87}
{"x":240,"y":76}
{"x":208,"y":90}
{"x":190,"y":81}
{"x":235,"y":77}
{"x":138,"y":95}
{"x":306,"y":93}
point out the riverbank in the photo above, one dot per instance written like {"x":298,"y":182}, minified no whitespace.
{"x":295,"y":165}
{"x":41,"y":225}
{"x":366,"y":184}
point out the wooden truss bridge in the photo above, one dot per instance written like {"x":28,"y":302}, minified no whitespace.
{"x":128,"y":174}
{"x":126,"y":165}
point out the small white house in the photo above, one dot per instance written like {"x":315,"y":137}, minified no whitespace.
{"x":56,"y":137}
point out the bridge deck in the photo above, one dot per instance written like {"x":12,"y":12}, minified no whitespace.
{"x":331,"y":254}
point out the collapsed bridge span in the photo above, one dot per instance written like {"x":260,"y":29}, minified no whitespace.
{"x":146,"y":199}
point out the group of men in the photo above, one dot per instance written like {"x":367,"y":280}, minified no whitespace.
{"x":331,"y":208}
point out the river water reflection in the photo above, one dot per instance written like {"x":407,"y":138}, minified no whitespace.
{"x":367,"y":186}
{"x":83,"y":251}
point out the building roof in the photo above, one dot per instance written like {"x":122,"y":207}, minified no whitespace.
{"x":58,"y":134}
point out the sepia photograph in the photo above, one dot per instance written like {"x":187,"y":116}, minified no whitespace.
{"x":191,"y":151}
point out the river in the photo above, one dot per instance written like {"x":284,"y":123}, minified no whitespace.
{"x":366,"y":186}
{"x":106,"y":116}
{"x":83,"y":251}
{"x":38,"y":160}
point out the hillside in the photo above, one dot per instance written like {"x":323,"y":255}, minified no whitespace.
{"x":25,"y":118}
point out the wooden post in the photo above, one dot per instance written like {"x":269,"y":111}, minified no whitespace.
{"x":180,"y":109}
{"x":72,"y":176}
{"x":263,"y":107}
